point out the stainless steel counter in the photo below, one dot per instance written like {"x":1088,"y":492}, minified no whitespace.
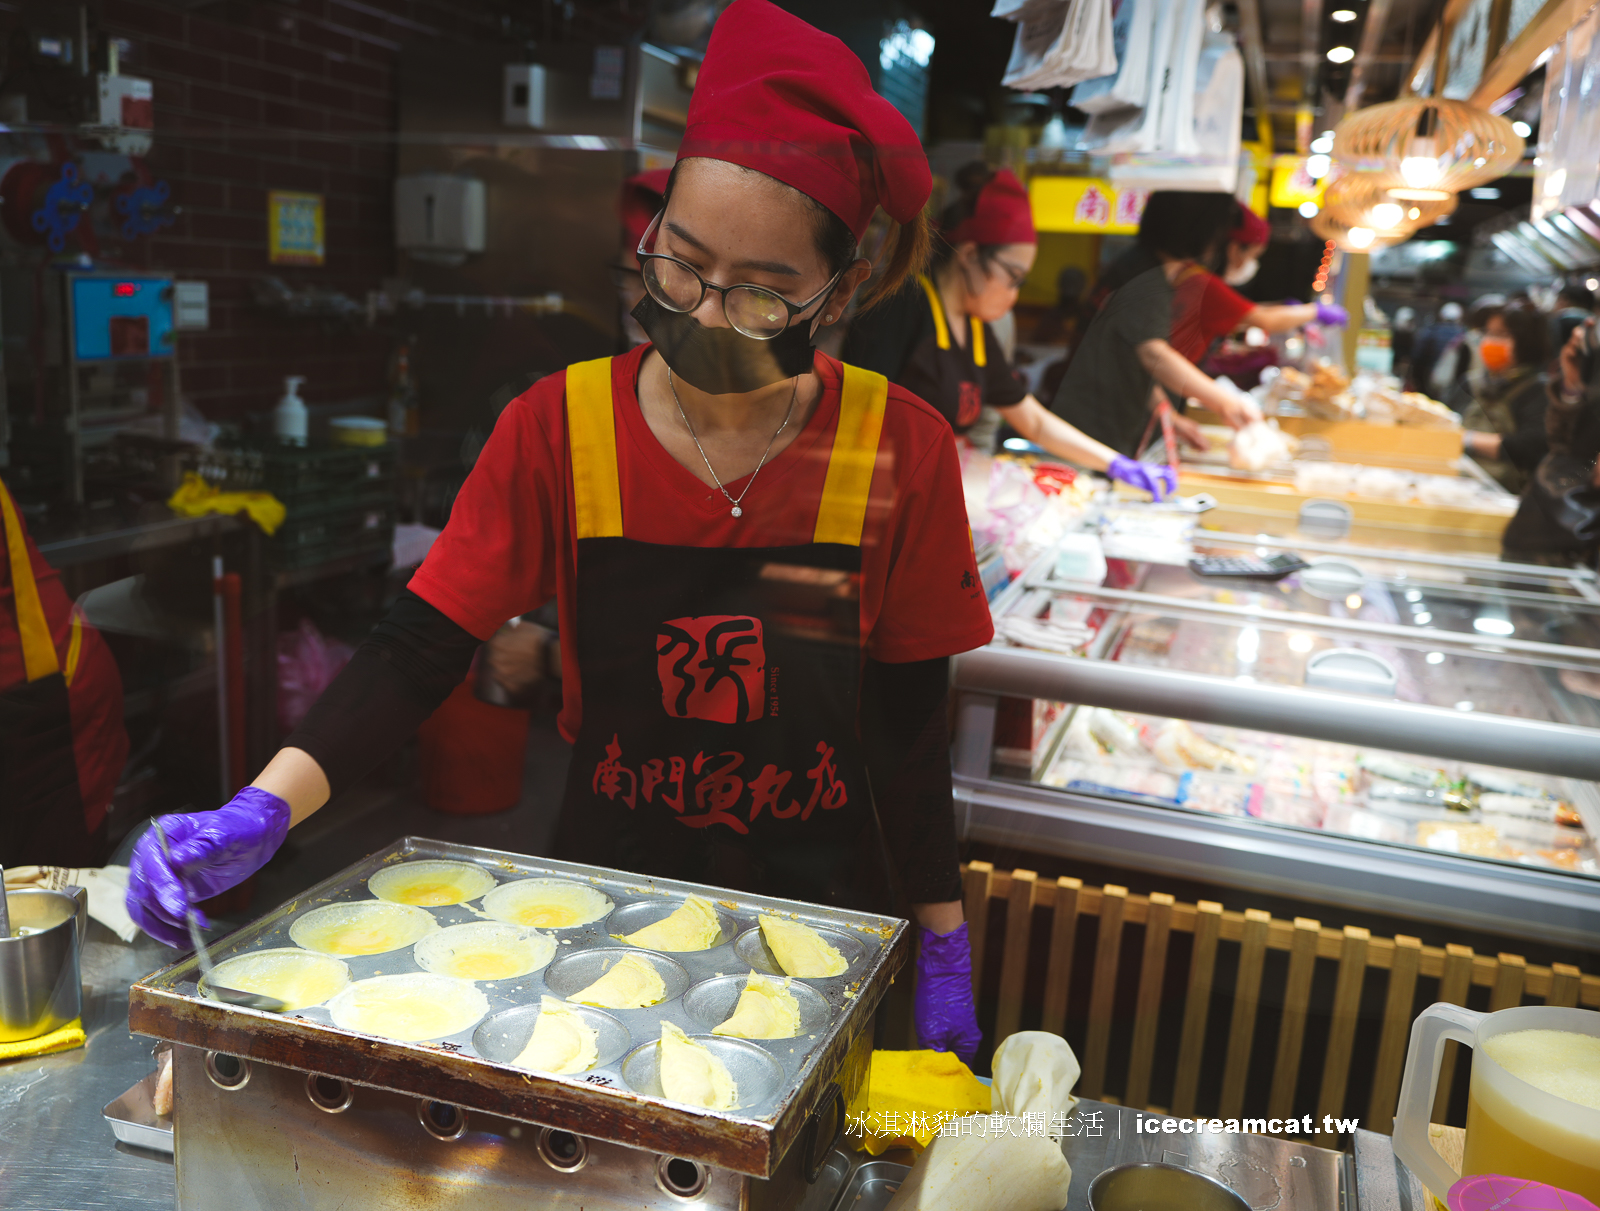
{"x":56,"y":1152}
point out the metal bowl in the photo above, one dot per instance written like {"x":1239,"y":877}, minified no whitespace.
{"x":1149,"y":1186}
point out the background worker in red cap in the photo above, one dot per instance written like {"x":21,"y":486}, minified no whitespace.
{"x":760,"y":555}
{"x":642,"y":197}
{"x":934,"y":339}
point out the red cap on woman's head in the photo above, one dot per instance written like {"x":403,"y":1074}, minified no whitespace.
{"x":641,"y":200}
{"x":783,"y":98}
{"x":1251,"y":230}
{"x":1003,"y":215}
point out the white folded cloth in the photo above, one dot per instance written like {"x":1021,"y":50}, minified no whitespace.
{"x":107,"y":888}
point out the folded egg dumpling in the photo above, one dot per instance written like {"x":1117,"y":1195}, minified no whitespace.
{"x":562,"y":1041}
{"x":632,"y":984}
{"x":546,"y":903}
{"x":800,"y":950}
{"x":693,"y":926}
{"x":766,"y":1010}
{"x":691,"y":1074}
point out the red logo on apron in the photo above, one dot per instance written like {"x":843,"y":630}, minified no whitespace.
{"x":969,"y":404}
{"x":712,"y":668}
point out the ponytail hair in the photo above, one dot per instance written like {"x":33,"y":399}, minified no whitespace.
{"x":913,"y":242}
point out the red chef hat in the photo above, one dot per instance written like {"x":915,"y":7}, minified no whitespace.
{"x":790,"y":101}
{"x":641,"y":200}
{"x":1251,"y":229}
{"x":1003,"y":214}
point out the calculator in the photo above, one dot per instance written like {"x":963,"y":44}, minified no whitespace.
{"x":1247,"y":567}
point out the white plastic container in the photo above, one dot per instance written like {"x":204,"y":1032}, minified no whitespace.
{"x":289,"y":420}
{"x":1080,"y":557}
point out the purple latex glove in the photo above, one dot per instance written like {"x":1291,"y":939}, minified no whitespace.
{"x":946,"y":1018}
{"x":211,"y":852}
{"x":1332,"y":315}
{"x":1153,"y":478}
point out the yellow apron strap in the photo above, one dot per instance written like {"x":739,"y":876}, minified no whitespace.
{"x":592,"y":430}
{"x":854,"y":457}
{"x":975,"y":327}
{"x":75,"y":647}
{"x":38,"y":649}
{"x":941,"y":326}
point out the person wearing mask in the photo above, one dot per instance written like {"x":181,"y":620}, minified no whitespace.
{"x":1206,"y":307}
{"x":1460,"y":357}
{"x":934,"y":337}
{"x":1109,"y":388}
{"x":1503,"y":413}
{"x":1431,"y":342}
{"x":760,"y":556}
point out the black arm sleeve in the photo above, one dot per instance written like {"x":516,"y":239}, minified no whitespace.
{"x":905,"y":731}
{"x":395,"y":680}
{"x":1525,"y":445}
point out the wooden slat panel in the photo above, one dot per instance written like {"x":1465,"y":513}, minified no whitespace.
{"x":1346,"y":1013}
{"x":1565,"y":980}
{"x":1014,"y":958}
{"x":1507,"y":989}
{"x":1147,"y":1010}
{"x":1454,"y":981}
{"x":976,"y":882}
{"x":1246,"y":997}
{"x":1103,"y":990}
{"x":1397,"y":1014}
{"x":1196,"y":1006}
{"x":1296,"y":1000}
{"x":1063,"y":937}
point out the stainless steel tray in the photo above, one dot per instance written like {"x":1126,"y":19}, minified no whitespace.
{"x":871,"y":1186}
{"x":134,"y":1120}
{"x":601,"y":1103}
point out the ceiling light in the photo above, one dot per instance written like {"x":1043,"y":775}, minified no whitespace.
{"x":1592,"y":284}
{"x":1361,"y":237}
{"x":1308,"y":210}
{"x":1340,"y":54}
{"x":1318,"y":167}
{"x":1434,"y":658}
{"x":1322,"y":146}
{"x":1414,"y":214}
{"x":1485,"y":193}
{"x":1489,"y":624}
{"x":1421,"y":195}
{"x":1522,"y":128}
{"x":1428,"y":143}
{"x":1344,"y":15}
{"x":1421,"y":168}
{"x":1386,"y":215}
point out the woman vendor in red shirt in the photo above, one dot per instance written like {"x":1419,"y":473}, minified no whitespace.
{"x":934,"y":338}
{"x":760,"y":556}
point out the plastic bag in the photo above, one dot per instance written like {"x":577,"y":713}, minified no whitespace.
{"x":308,"y":661}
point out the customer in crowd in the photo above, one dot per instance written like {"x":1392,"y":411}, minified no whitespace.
{"x":1503,"y":404}
{"x":1460,"y":357}
{"x":1431,"y":341}
{"x":1574,"y":304}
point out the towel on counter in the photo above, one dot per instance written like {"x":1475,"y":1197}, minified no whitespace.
{"x":63,"y":1038}
{"x":195,"y":497}
{"x":107,"y":888}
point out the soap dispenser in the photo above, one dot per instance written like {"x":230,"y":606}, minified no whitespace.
{"x":289,"y":417}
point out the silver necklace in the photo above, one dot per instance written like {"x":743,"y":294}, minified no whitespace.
{"x":734,"y":501}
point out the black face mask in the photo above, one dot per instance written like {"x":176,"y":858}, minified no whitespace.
{"x":723,"y":361}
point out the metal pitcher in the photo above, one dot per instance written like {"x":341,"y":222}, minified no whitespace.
{"x":40,"y":980}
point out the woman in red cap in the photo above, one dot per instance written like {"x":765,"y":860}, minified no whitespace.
{"x":934,"y":339}
{"x":760,"y":556}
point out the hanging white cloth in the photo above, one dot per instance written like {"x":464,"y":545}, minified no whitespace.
{"x":1059,"y":42}
{"x":1132,"y":25}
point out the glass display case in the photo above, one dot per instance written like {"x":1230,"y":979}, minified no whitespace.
{"x":1405,"y":732}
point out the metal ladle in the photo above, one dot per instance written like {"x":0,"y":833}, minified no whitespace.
{"x":229,"y":996}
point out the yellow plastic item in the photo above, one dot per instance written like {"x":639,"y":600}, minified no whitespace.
{"x":195,"y":497}
{"x":909,"y":1095}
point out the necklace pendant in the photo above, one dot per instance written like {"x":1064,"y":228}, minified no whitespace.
{"x":737,"y":511}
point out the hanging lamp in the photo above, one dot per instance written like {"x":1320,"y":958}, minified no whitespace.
{"x":1360,"y":199}
{"x":1424,"y":147}
{"x":1354,"y":237}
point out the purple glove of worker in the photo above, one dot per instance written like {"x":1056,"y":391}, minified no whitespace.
{"x":1161,"y":482}
{"x":211,"y":852}
{"x":945,"y":1015}
{"x":1331,"y":315}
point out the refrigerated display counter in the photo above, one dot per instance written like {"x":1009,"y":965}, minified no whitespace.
{"x":1404,"y":732}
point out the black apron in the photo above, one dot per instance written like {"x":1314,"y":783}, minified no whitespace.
{"x":952,"y":365}
{"x":720,"y":685}
{"x":41,"y":807}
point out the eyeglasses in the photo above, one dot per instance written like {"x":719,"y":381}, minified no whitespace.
{"x":1014,"y":276}
{"x":753,"y":310}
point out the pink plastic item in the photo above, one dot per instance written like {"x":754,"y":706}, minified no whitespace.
{"x":1491,"y":1192}
{"x":308,"y":661}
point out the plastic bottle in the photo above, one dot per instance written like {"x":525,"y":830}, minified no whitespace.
{"x":289,"y":417}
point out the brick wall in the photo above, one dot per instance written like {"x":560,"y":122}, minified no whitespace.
{"x":251,"y":97}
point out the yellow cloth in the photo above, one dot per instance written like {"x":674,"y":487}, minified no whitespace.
{"x":194,"y":497}
{"x":909,"y":1095}
{"x":63,"y":1038}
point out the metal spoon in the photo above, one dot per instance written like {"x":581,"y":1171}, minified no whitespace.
{"x":5,"y":913}
{"x":230,"y":996}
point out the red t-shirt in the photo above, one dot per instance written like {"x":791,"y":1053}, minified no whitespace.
{"x":510,"y":545}
{"x":1204,"y":307}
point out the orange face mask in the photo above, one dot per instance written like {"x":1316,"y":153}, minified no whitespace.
{"x":1496,"y":352}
